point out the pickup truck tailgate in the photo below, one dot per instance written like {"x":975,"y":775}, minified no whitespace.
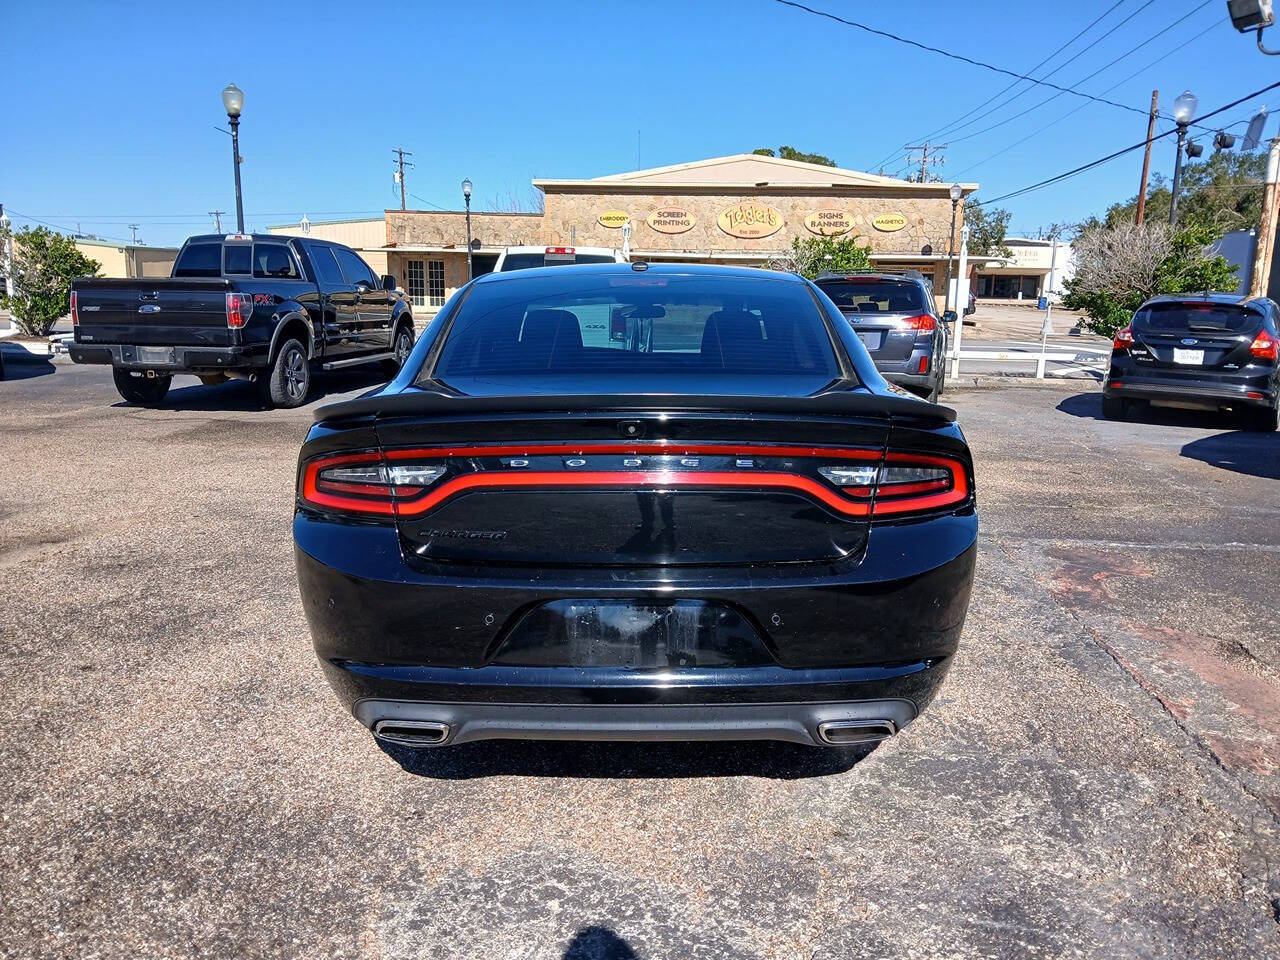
{"x":174,"y":312}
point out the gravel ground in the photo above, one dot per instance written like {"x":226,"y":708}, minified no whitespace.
{"x":1099,"y":778}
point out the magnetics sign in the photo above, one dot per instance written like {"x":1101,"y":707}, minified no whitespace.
{"x":672,"y":220}
{"x":613,"y":219}
{"x":889,"y":222}
{"x":750,"y":221}
{"x":828,"y":223}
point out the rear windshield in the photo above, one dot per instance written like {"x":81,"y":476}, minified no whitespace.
{"x":875,"y":295}
{"x":523,"y":261}
{"x":1175,"y":317}
{"x":199,"y":260}
{"x":635,"y":323}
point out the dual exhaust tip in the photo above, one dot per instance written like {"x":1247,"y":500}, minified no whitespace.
{"x":432,"y":733}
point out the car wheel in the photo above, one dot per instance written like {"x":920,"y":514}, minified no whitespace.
{"x":401,"y":347}
{"x":288,"y":381}
{"x":936,"y":391}
{"x":1265,"y":419}
{"x":141,"y":391}
{"x":1115,"y":408}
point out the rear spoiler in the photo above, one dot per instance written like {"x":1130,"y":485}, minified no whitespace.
{"x":415,"y":402}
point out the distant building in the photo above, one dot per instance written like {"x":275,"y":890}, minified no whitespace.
{"x":124,"y":261}
{"x":742,"y":209}
{"x":1025,"y":274}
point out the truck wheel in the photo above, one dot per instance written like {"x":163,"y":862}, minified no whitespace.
{"x":287,"y":382}
{"x":1115,"y":408}
{"x":141,"y":391}
{"x":401,"y":346}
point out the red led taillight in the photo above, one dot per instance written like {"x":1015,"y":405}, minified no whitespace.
{"x":1123,"y":340}
{"x":1264,"y":346}
{"x":924,"y":364}
{"x":563,"y":251}
{"x":75,"y":309}
{"x":239,"y":307}
{"x":924,"y":322}
{"x":411,"y":483}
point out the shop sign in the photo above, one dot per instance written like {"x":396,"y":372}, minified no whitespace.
{"x":889,"y":222}
{"x":672,"y":220}
{"x":613,"y":219}
{"x":828,"y":223}
{"x":750,"y":221}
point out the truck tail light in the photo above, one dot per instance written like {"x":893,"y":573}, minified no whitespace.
{"x":239,"y":307}
{"x":923,"y":323}
{"x":75,"y":309}
{"x":1265,"y":346}
{"x":1123,"y":340}
{"x":905,"y":483}
{"x":562,"y":251}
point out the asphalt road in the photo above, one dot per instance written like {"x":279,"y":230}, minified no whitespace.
{"x":1100,"y":776}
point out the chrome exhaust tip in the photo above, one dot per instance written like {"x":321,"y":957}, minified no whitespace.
{"x":843,"y":733}
{"x":412,"y":733}
{"x":151,"y":374}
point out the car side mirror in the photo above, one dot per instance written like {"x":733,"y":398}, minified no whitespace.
{"x":388,"y":282}
{"x":949,"y":316}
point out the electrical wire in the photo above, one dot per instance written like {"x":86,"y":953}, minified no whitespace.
{"x":1112,"y":156}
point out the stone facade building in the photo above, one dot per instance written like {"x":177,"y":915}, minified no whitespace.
{"x":743,"y":209}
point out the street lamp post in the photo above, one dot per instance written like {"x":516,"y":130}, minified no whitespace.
{"x":956,"y":193}
{"x":466,"y":196}
{"x":233,"y":101}
{"x":1184,"y":109}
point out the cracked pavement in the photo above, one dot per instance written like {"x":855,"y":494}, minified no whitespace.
{"x":1100,"y":776}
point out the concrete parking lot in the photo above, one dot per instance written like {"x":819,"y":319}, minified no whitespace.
{"x":1100,"y":776}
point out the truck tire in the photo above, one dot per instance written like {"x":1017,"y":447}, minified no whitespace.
{"x":287,"y":381}
{"x":401,"y":345}
{"x":141,"y":391}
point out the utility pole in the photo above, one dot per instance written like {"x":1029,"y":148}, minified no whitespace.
{"x":133,"y":227}
{"x":1146,"y":157}
{"x":924,"y":149}
{"x":401,"y":153}
{"x":217,"y":220}
{"x":1264,"y":251}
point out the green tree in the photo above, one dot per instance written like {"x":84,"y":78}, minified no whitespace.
{"x":815,"y":255}
{"x":44,"y":264}
{"x":791,"y":153}
{"x":987,"y":229}
{"x":1119,"y":267}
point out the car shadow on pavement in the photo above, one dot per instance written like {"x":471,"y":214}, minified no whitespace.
{"x":25,"y":368}
{"x":598,"y":943}
{"x":1088,"y":406}
{"x":625,"y":760}
{"x":1241,"y":451}
{"x":238,"y":395}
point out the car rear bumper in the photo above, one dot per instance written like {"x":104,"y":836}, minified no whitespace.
{"x":1246,"y":391}
{"x":854,"y":635}
{"x":178,"y":358}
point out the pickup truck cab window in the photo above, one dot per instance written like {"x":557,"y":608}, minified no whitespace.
{"x":199,"y":260}
{"x":237,"y":258}
{"x":326,"y":267}
{"x":354,"y":268}
{"x":273,"y":261}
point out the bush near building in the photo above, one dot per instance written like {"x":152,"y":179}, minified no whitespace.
{"x":44,"y":264}
{"x":1119,"y":267}
{"x":813,"y":256}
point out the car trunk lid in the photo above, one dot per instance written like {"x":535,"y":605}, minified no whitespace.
{"x":1194,"y":336}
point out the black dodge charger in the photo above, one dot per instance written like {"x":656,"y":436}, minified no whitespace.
{"x":636,"y":502}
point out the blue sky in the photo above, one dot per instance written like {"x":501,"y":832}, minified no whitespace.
{"x":112,"y":108}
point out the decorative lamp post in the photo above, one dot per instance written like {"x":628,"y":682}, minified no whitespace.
{"x":466,"y":196}
{"x":233,"y":101}
{"x":956,"y":193}
{"x":1184,"y":109}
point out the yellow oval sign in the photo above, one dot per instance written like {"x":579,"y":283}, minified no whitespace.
{"x":889,"y":222}
{"x":672,"y":220}
{"x":828,"y":223}
{"x":613,"y":219}
{"x":750,"y":221}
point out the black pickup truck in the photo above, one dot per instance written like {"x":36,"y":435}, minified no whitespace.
{"x":264,"y":308}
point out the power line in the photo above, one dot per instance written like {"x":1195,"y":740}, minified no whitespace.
{"x":1077,"y":109}
{"x":428,"y":202}
{"x":1119,"y":153}
{"x":956,"y":56}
